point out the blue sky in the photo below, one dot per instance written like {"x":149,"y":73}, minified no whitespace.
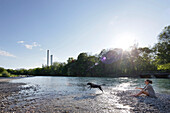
{"x":68,"y":27}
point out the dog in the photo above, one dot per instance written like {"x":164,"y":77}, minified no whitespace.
{"x":94,"y":86}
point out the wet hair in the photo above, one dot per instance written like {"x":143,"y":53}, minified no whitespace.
{"x":149,"y":81}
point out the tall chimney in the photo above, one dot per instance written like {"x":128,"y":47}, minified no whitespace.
{"x":47,"y":57}
{"x":51,"y":60}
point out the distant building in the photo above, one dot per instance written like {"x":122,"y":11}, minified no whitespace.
{"x":47,"y":57}
{"x":51,"y":60}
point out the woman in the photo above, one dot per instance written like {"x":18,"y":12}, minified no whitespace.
{"x":147,"y":90}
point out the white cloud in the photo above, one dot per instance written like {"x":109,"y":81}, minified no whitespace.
{"x":35,"y":44}
{"x":29,"y":46}
{"x":20,"y":42}
{"x":5,"y":53}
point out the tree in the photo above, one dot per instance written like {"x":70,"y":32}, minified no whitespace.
{"x":5,"y":74}
{"x":163,"y":46}
{"x":146,"y":59}
{"x":162,"y":50}
{"x":70,"y":60}
{"x":1,"y":69}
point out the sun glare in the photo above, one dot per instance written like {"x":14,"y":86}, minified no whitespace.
{"x":125,"y":40}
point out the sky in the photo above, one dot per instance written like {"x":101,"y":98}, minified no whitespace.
{"x":28,"y":28}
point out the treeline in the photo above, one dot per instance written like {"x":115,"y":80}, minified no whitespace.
{"x":5,"y":73}
{"x":133,"y":62}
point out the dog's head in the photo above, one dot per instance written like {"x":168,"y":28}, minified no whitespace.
{"x":89,"y":83}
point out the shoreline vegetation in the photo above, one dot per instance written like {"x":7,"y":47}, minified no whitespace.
{"x":142,"y":75}
{"x":153,"y":75}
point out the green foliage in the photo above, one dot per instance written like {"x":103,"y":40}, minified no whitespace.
{"x":70,"y":60}
{"x":164,"y":67}
{"x":5,"y":74}
{"x":1,"y":69}
{"x":163,"y":46}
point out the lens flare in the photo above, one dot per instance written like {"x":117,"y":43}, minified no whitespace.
{"x":111,"y":56}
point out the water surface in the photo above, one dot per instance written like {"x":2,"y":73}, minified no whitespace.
{"x":70,"y":85}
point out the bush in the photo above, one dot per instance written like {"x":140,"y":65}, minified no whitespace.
{"x":1,"y":69}
{"x":5,"y":74}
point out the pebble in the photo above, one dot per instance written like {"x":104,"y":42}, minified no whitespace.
{"x":2,"y":104}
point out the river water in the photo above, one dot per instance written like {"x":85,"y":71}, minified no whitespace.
{"x":74,"y":91}
{"x":68,"y":85}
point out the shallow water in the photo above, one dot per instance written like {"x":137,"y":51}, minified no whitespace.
{"x":72,"y":92}
{"x":70,"y":85}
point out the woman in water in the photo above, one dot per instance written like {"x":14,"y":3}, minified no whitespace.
{"x":147,"y":90}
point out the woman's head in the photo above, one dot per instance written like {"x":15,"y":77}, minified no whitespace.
{"x":148,"y":81}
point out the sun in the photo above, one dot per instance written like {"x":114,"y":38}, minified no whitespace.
{"x":125,"y":40}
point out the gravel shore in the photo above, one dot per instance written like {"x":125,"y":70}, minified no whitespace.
{"x":19,"y":98}
{"x":145,"y":104}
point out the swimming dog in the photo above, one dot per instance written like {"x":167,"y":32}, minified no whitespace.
{"x":94,"y":86}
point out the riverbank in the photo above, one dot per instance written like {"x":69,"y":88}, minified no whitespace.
{"x":145,"y":104}
{"x":7,"y":79}
{"x":7,"y":91}
{"x":28,"y":98}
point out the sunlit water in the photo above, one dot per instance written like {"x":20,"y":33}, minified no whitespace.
{"x":53,"y":87}
{"x":78,"y":84}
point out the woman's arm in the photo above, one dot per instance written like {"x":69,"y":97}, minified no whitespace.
{"x":139,"y":88}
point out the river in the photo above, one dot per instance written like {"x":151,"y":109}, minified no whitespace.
{"x":68,"y":85}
